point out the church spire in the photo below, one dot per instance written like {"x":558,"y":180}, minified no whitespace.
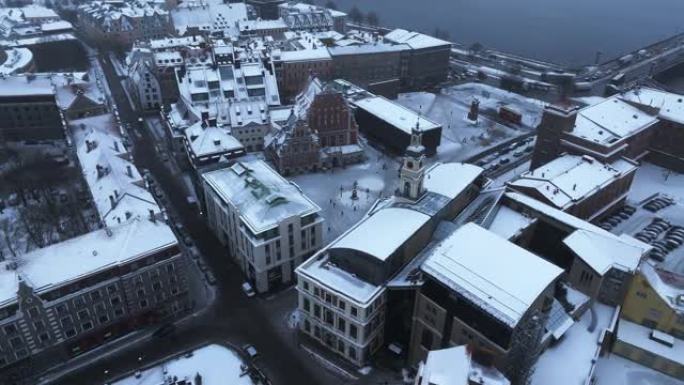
{"x":413,"y":170}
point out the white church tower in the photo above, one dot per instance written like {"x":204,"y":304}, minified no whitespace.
{"x":413,"y":170}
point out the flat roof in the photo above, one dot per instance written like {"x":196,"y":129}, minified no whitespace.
{"x":487,"y":269}
{"x":639,"y":336}
{"x":63,"y":262}
{"x":610,"y":121}
{"x":381,"y":233}
{"x":670,"y":105}
{"x":338,"y":280}
{"x":415,"y":40}
{"x":450,"y":179}
{"x":262,"y":197}
{"x":570,"y":178}
{"x":395,"y":114}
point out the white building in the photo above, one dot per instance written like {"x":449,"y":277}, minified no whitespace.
{"x":268,"y":225}
{"x":344,"y":288}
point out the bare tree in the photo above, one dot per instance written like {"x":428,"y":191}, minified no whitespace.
{"x":355,"y":15}
{"x":372,"y":19}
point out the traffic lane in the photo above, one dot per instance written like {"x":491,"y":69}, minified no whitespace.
{"x":245,"y":317}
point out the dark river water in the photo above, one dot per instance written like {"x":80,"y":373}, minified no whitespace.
{"x":567,"y":32}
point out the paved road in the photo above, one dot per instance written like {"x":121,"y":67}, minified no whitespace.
{"x":232,"y":318}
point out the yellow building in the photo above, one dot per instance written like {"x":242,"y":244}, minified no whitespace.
{"x":651,"y":328}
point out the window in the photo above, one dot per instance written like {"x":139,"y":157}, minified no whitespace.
{"x":426,"y":339}
{"x":10,"y":329}
{"x":329,"y":318}
{"x":111,"y":289}
{"x":341,"y":325}
{"x":352,"y":353}
{"x":307,"y":325}
{"x":38,"y":325}
{"x":118,"y":312}
{"x":354,"y":311}
{"x":44,"y":337}
{"x":143,"y":303}
{"x":61,"y":309}
{"x":83,"y":314}
{"x":16,"y":342}
{"x":353,"y":331}
{"x":87,"y":325}
{"x":115,"y":300}
{"x":103,"y":319}
{"x":342,"y":305}
{"x":317,"y":311}
{"x":307,"y":305}
{"x":33,"y":312}
{"x":95,"y":295}
{"x":306,"y":285}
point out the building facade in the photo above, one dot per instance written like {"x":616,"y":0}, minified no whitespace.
{"x":29,"y":110}
{"x":80,"y":310}
{"x":266,"y":223}
{"x":120,"y":25}
{"x":294,"y":148}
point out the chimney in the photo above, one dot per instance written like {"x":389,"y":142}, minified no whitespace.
{"x":100,"y":171}
{"x":129,"y":171}
{"x":116,"y":193}
{"x":152,"y":217}
{"x":116,"y":146}
{"x":112,"y":201}
{"x":87,"y":143}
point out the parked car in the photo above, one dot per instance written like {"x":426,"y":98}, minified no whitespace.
{"x":248,"y":290}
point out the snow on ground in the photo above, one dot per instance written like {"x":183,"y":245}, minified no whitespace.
{"x":332,"y":190}
{"x":216,"y":365}
{"x":569,"y":361}
{"x":462,"y":138}
{"x":651,"y":179}
{"x":615,"y":370}
{"x":491,"y":98}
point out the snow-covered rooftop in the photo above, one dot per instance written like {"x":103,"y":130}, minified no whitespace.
{"x":672,"y":293}
{"x":26,"y":85}
{"x":486,"y":269}
{"x":508,"y":223}
{"x":445,"y":367}
{"x":210,"y":17}
{"x":310,"y":54}
{"x":610,"y":121}
{"x":115,"y":183}
{"x":602,"y":253}
{"x":396,"y":225}
{"x":339,"y":280}
{"x":215,"y":364}
{"x":260,"y":194}
{"x":450,"y":179}
{"x":571,"y":178}
{"x":206,"y":141}
{"x":63,"y":262}
{"x":415,"y":40}
{"x":395,"y":114}
{"x":670,"y":105}
{"x":640,"y":337}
